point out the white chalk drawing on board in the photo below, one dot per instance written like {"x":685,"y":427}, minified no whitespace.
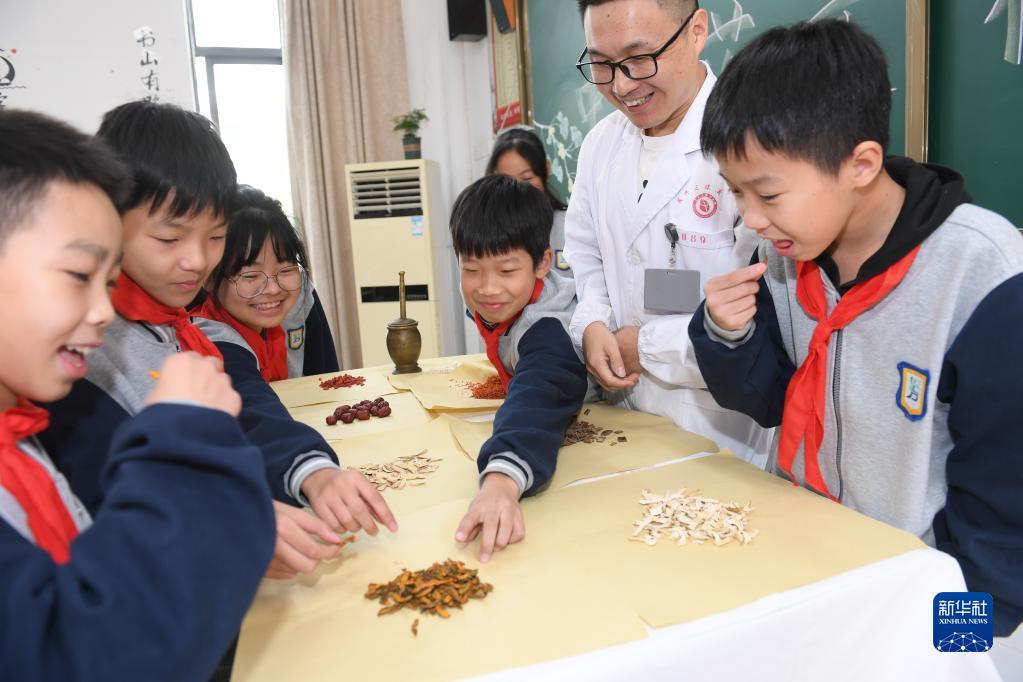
{"x":565,"y":140}
{"x":1014,"y":32}
{"x":832,"y":9}
{"x":729,"y":31}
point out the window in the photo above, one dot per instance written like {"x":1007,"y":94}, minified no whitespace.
{"x":240,"y":86}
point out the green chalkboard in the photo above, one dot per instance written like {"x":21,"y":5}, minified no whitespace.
{"x":563,"y":106}
{"x":976,"y":107}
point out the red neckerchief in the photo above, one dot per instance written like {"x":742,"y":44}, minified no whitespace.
{"x":133,"y":303}
{"x":30,"y":483}
{"x":806,"y":396}
{"x":271,"y":352}
{"x":491,"y":337}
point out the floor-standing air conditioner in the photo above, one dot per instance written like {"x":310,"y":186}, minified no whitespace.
{"x":397,"y":224}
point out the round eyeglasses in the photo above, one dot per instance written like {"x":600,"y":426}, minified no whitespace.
{"x":253,"y":283}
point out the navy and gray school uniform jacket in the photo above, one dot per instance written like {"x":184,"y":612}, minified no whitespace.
{"x":310,"y":344}
{"x":547,"y":388}
{"x":116,"y":386}
{"x":924,"y":418}
{"x":157,"y":586}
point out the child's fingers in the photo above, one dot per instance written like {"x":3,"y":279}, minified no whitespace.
{"x":344,"y":516}
{"x":518,"y":529}
{"x":504,"y":531}
{"x":488,"y":536}
{"x":303,"y":542}
{"x":378,"y":506}
{"x":468,"y":527}
{"x":314,"y":525}
{"x":293,"y":559}
{"x":360,"y":512}
{"x":738,"y":292}
{"x":750,"y":273}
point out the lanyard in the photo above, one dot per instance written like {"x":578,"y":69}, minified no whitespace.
{"x":672,"y":234}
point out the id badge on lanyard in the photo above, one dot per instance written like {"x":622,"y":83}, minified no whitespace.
{"x":670,"y":290}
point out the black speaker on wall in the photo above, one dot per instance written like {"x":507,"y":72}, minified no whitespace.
{"x":467,"y":19}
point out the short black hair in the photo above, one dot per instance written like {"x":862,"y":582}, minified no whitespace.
{"x":256,"y":219}
{"x":497,"y":214}
{"x":172,"y":153}
{"x":676,"y":8}
{"x":35,"y":151}
{"x":812,"y":91}
{"x":526,"y":144}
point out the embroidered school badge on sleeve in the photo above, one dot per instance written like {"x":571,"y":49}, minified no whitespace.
{"x":559,"y":260}
{"x":912,"y":395}
{"x":296,"y":337}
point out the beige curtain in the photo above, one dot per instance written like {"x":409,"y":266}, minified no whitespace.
{"x":345,"y":65}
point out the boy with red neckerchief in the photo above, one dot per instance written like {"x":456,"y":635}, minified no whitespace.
{"x":187,"y":521}
{"x":881,"y":322}
{"x":501,"y":230}
{"x":175,"y":224}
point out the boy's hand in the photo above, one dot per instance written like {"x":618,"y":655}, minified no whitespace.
{"x":604,"y":359}
{"x":190,"y":377}
{"x":732,"y":298}
{"x":297,"y":551}
{"x":496,"y":512}
{"x":346,"y":499}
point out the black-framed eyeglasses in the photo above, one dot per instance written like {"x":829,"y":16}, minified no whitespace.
{"x":637,"y":67}
{"x":254,"y":282}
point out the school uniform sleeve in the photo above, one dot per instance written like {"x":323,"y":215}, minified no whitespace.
{"x":82,"y":427}
{"x":748,"y":373}
{"x":544,"y":395}
{"x":320,"y":355}
{"x":583,"y":254}
{"x":157,"y":587}
{"x":981,"y":524}
{"x":291,"y":450}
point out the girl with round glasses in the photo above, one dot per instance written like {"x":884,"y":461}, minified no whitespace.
{"x":261,"y":288}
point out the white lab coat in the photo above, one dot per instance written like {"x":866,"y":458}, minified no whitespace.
{"x":611,"y":239}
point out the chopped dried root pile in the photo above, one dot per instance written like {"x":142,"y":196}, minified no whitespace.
{"x":580,"y":431}
{"x":431,"y":590}
{"x":689,"y":517}
{"x":410,"y":470}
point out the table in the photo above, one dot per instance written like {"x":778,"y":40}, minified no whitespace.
{"x":822,"y":591}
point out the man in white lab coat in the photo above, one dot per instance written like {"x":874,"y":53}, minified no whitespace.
{"x":645,"y":198}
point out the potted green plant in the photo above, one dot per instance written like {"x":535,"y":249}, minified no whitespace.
{"x":409,"y":125}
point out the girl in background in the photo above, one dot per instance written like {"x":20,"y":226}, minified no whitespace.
{"x":520,"y":153}
{"x":261,"y":288}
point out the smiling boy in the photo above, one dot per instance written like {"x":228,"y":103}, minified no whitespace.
{"x":881,"y":326}
{"x":187,"y":520}
{"x":175,"y":226}
{"x":500,"y":229}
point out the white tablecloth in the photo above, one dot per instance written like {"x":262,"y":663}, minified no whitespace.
{"x":873,"y":623}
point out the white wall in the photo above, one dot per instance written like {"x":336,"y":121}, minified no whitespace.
{"x":451,"y":80}
{"x":76,"y":59}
